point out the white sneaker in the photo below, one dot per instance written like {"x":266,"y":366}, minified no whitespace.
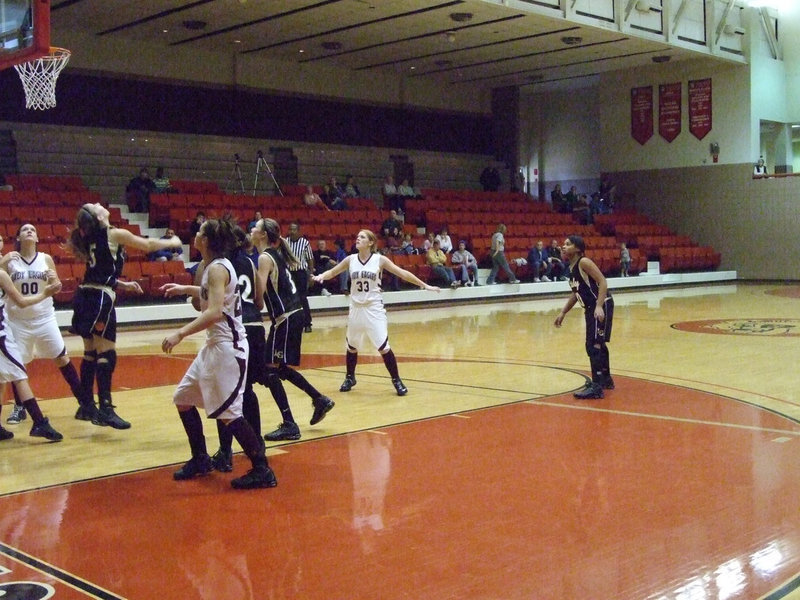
{"x":545,"y":278}
{"x":468,"y":284}
{"x":536,"y":280}
{"x":325,"y":292}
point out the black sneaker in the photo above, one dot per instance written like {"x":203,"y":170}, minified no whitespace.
{"x":223,"y":461}
{"x":285,"y":431}
{"x":5,"y":434}
{"x":592,"y":391}
{"x":608,"y":384}
{"x":107,"y":416}
{"x":195,"y":466}
{"x":89,"y":412}
{"x":398,"y":384}
{"x":322,"y":406}
{"x":18,"y":414}
{"x":43,"y":429}
{"x":259,"y":477}
{"x":348,"y":384}
{"x":307,"y":329}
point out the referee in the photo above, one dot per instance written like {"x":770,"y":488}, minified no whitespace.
{"x":301,"y":248}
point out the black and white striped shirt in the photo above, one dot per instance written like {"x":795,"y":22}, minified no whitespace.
{"x":301,"y":248}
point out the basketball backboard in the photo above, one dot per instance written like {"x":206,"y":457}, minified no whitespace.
{"x":24,"y":31}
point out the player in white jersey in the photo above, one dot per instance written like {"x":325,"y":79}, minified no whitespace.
{"x":215,"y":380}
{"x":11,"y":367}
{"x":35,"y":327}
{"x":367,"y":318}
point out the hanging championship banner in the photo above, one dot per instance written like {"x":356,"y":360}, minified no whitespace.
{"x":642,"y":113}
{"x":669,"y":110}
{"x":700,"y":107}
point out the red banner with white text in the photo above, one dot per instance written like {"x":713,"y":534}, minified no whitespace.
{"x":642,"y":113}
{"x":669,"y":110}
{"x":700,"y":107}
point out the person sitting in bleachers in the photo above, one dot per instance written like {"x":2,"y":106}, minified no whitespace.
{"x":165,"y":254}
{"x":161,"y":183}
{"x":407,"y":246}
{"x":558,"y":269}
{"x":324,"y":259}
{"x":392,"y":226}
{"x":391,"y":198}
{"x":445,"y":243}
{"x":333,"y":194}
{"x":437,"y":260}
{"x":4,"y":185}
{"x":350,"y":188}
{"x":464,"y":261}
{"x":138,"y":190}
{"x":311,"y":198}
{"x":539,"y":263}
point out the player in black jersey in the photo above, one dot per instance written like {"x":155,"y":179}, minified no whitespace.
{"x":276,"y":288}
{"x":254,"y":330}
{"x":94,"y":318}
{"x":589,"y":287}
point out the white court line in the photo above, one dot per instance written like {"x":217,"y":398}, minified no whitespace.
{"x":665,"y":418}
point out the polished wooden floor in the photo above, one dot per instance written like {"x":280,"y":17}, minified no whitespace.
{"x":487,"y":481}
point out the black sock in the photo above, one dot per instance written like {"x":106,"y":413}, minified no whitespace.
{"x":606,"y":367}
{"x":351,"y":359}
{"x":106,"y":361}
{"x":70,"y":375}
{"x":250,"y":409}
{"x":193,"y":425}
{"x":596,"y":364}
{"x":391,"y":364}
{"x":225,"y":436}
{"x":33,"y":409}
{"x":252,"y":444}
{"x":297,"y":380}
{"x":88,"y":370}
{"x":279,"y":394}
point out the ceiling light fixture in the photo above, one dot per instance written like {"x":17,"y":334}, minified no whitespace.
{"x":662,"y":58}
{"x":461,"y":17}
{"x":332,"y":45}
{"x":451,"y":36}
{"x":571,"y":40}
{"x":195,"y":25}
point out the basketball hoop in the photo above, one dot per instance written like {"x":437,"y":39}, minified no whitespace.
{"x":39,"y":78}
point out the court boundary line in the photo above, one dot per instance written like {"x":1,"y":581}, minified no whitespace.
{"x":64,"y":577}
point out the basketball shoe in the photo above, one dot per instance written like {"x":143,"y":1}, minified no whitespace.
{"x":43,"y":429}
{"x":322,"y":406}
{"x":255,"y":478}
{"x":401,"y":388}
{"x":592,"y":391}
{"x":194,"y":467}
{"x":348,"y":384}
{"x":18,"y":414}
{"x":285,"y":431}
{"x":223,"y":461}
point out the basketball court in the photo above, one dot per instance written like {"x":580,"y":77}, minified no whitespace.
{"x":488,"y":480}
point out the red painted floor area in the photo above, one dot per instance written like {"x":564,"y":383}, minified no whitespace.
{"x":660,"y":492}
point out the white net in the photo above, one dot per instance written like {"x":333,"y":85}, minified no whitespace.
{"x":39,"y":78}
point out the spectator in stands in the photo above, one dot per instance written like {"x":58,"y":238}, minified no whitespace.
{"x":339,"y":255}
{"x":606,"y":192}
{"x":406,"y":191}
{"x":539,"y":263}
{"x":256,"y":218}
{"x":4,"y":185}
{"x":350,"y":188}
{"x":558,"y":269}
{"x":558,"y":200}
{"x":199,"y":219}
{"x":171,"y":253}
{"x":334,"y":195}
{"x":301,"y":248}
{"x":582,"y":211}
{"x":392,"y":226}
{"x":389,"y":192}
{"x":161,"y":183}
{"x":438,"y":263}
{"x":760,"y":170}
{"x":311,"y":198}
{"x":518,"y":182}
{"x":464,"y":261}
{"x":490,"y":179}
{"x":445,"y":243}
{"x":137,"y":193}
{"x":624,"y":259}
{"x":498,"y":253}
{"x":428,"y":243}
{"x":408,"y":245}
{"x":323,"y":260}
{"x":571,"y":199}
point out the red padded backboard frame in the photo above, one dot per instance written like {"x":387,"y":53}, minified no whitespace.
{"x":41,"y":37}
